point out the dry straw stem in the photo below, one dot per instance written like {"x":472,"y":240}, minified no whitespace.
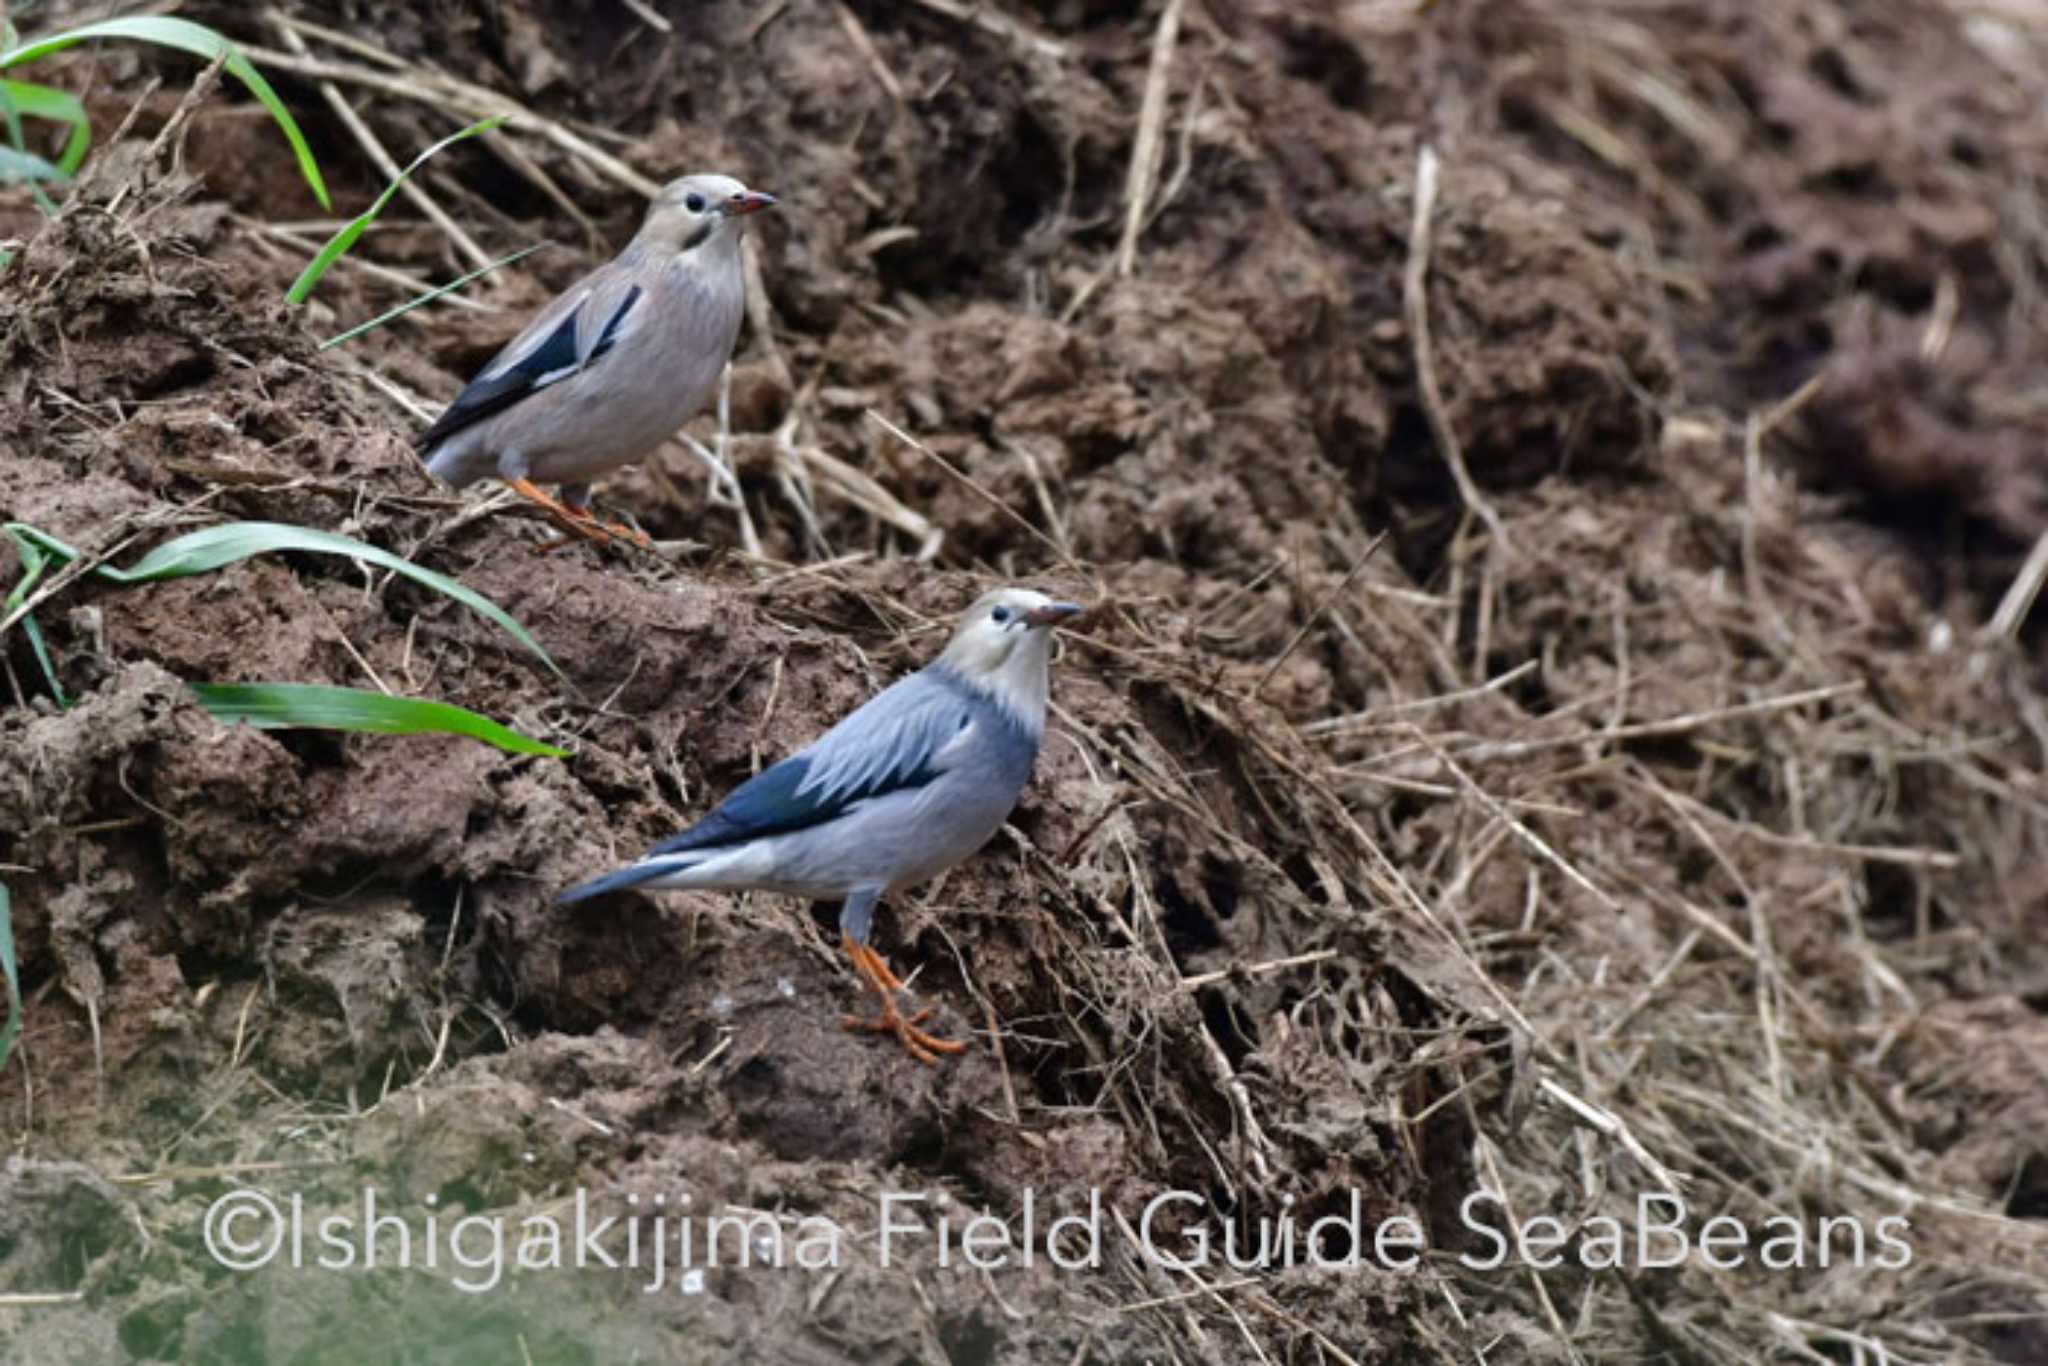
{"x":1343,"y":586}
{"x":2019,"y":599}
{"x":871,"y":497}
{"x":1145,"y":147}
{"x":649,"y":16}
{"x":857,"y":34}
{"x":985,"y":17}
{"x":1622,"y":64}
{"x":793,"y":465}
{"x":1754,"y":430}
{"x":1649,"y":730}
{"x":438,"y":90}
{"x":1059,"y":552}
{"x":1141,"y":206}
{"x":759,"y":312}
{"x":303,"y":245}
{"x":1299,"y":960}
{"x":1334,"y":727}
{"x":725,"y":485}
{"x":1500,"y":813}
{"x":1415,"y":301}
{"x":381,"y":158}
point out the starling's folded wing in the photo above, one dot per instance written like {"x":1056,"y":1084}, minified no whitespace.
{"x":570,"y":335}
{"x":904,"y":738}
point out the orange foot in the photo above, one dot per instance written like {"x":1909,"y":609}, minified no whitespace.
{"x":576,"y":520}
{"x":924,"y":1047}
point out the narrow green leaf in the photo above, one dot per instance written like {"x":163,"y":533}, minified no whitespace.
{"x":33,"y":562}
{"x":46,"y":102}
{"x":12,"y":117}
{"x":355,"y":227}
{"x":42,"y":654}
{"x":201,"y":552}
{"x":12,"y":1029}
{"x":392,"y":315}
{"x":19,"y":167}
{"x":312,"y":706}
{"x":185,"y":36}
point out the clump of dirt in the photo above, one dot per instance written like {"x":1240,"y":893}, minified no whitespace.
{"x":1835,"y":196}
{"x":1664,"y":826}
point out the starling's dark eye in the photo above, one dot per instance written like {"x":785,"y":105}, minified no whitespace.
{"x":999,"y":615}
{"x":694,"y":203}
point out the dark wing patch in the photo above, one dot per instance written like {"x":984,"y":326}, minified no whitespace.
{"x":775,"y":802}
{"x":609,"y":337}
{"x":552,"y":361}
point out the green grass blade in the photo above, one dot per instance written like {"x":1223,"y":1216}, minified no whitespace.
{"x":312,"y":706}
{"x":45,"y":102}
{"x":26,"y":167}
{"x":11,"y":116}
{"x":185,"y":36}
{"x":355,"y":227}
{"x":22,"y":166}
{"x":18,"y":165}
{"x":202,"y":552}
{"x":42,"y":654}
{"x":34,"y":561}
{"x":10,"y":1031}
{"x":392,"y":315}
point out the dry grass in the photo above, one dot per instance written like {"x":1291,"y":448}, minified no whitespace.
{"x":1685,"y":889}
{"x":1674,"y":855}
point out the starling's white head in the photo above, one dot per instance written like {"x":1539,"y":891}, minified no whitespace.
{"x":1003,"y":646}
{"x":698,"y":211}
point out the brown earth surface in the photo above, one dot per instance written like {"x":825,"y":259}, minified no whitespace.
{"x":1654,"y":811}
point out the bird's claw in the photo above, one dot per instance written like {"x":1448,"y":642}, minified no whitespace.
{"x":597,"y":533}
{"x":577,"y":521}
{"x":923,"y":1046}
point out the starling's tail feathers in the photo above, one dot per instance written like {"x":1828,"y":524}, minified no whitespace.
{"x":632,"y":875}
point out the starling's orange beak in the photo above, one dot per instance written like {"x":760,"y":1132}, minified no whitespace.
{"x":748,"y":201}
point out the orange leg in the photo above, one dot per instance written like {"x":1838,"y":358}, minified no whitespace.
{"x":876,"y":970}
{"x":924,"y":1047}
{"x":577,"y":520}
